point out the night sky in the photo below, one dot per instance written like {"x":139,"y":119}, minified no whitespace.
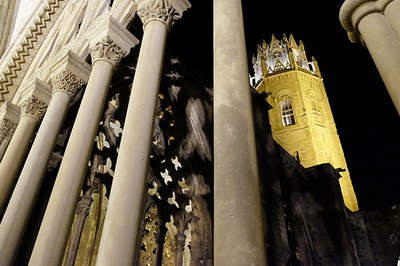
{"x":366,"y":119}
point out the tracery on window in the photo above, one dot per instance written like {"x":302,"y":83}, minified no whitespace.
{"x":286,"y":110}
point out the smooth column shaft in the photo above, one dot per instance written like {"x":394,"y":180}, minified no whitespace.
{"x":392,"y":13}
{"x":384,"y":48}
{"x":23,"y":199}
{"x":238,"y":227}
{"x":125,"y":207}
{"x":3,"y":148}
{"x":53,"y":234}
{"x":14,"y":157}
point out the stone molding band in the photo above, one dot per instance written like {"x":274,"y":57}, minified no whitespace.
{"x":18,"y":58}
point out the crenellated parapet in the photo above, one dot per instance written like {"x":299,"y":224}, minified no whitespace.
{"x":281,"y":55}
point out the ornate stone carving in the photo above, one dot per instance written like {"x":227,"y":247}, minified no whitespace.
{"x":18,"y":59}
{"x":67,"y":82}
{"x":84,"y":205}
{"x":107,"y":50}
{"x":33,"y":107}
{"x":7,"y":129}
{"x":160,"y":10}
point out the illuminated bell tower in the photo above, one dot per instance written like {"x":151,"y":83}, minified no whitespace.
{"x":301,"y":118}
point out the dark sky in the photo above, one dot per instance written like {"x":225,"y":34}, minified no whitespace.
{"x":366,"y":119}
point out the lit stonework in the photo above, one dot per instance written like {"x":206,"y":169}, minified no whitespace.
{"x":109,"y":43}
{"x":69,"y":74}
{"x":107,"y":50}
{"x":125,"y":207}
{"x":165,"y":11}
{"x":7,"y":129}
{"x":67,"y":82}
{"x":33,"y":105}
{"x":137,"y":180}
{"x":238,"y":228}
{"x":20,"y":55}
{"x":300,"y":118}
{"x":377,"y":25}
{"x":9,"y":118}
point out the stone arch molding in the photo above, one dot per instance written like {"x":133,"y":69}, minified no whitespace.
{"x":283,"y":93}
{"x":53,"y":27}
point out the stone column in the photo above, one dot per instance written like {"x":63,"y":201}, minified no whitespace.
{"x":109,"y":43}
{"x":33,"y":106}
{"x":6,"y":141}
{"x":238,"y":222}
{"x":125,"y":206}
{"x":68,"y":76}
{"x":364,"y":20}
{"x":392,"y":13}
{"x":9,"y":118}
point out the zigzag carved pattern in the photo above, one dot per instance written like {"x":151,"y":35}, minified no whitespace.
{"x":18,"y":58}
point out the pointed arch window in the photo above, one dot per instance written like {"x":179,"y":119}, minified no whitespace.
{"x":286,"y":110}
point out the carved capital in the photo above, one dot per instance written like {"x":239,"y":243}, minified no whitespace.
{"x":67,"y":82}
{"x":33,"y":107}
{"x":9,"y":118}
{"x":107,"y":50}
{"x":34,"y":99}
{"x":110,"y":41}
{"x":7,"y":129}
{"x":69,"y":73}
{"x":165,"y":11}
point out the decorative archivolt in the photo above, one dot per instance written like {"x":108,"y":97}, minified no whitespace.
{"x":60,"y":24}
{"x":282,"y":95}
{"x":17,"y":60}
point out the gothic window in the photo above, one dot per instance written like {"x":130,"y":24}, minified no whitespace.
{"x":315,"y":110}
{"x":286,"y":110}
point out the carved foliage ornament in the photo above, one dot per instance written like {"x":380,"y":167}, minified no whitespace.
{"x":33,"y":107}
{"x":160,"y":10}
{"x":107,"y":50}
{"x":66,"y":82}
{"x":7,"y":129}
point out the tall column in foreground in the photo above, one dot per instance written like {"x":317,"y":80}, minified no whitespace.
{"x":368,"y":20}
{"x":238,"y":223}
{"x":68,"y":76}
{"x":33,"y":106}
{"x":120,"y":237}
{"x":9,"y":118}
{"x":109,"y":43}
